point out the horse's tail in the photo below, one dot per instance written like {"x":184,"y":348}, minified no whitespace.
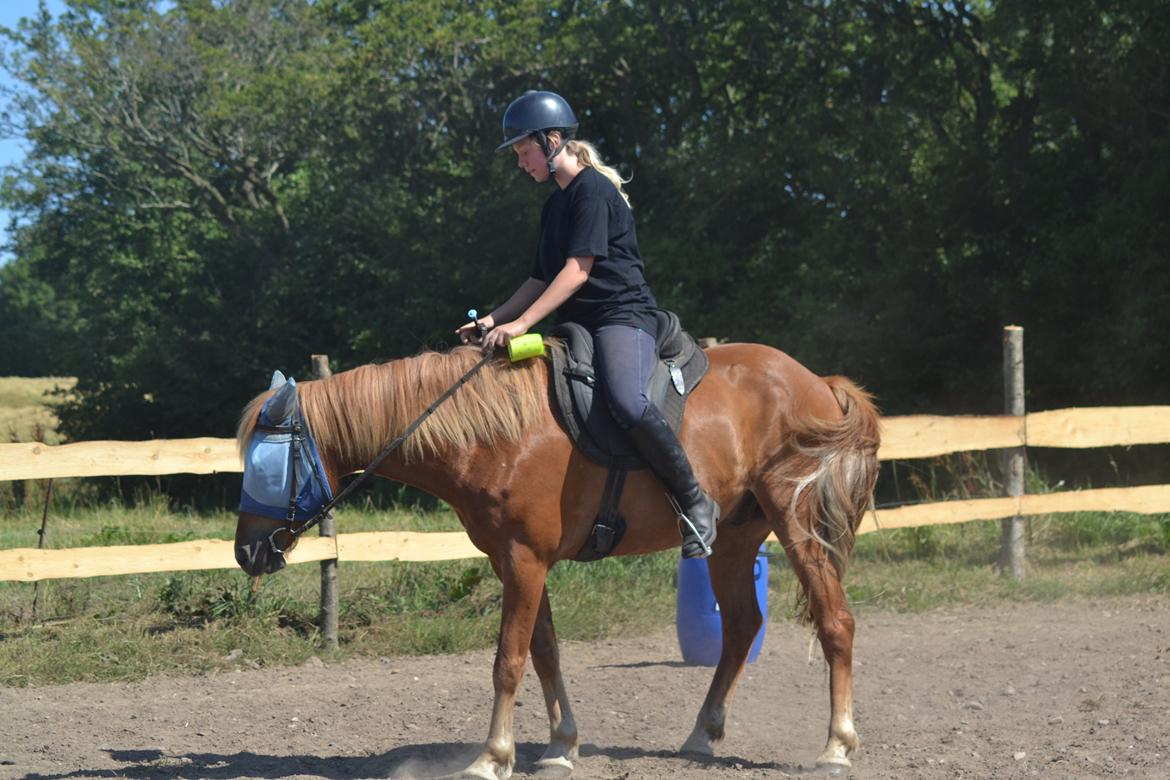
{"x":840,"y":489}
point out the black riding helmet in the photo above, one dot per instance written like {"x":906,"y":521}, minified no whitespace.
{"x":536,"y":113}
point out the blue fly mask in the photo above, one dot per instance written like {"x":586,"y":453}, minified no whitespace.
{"x":283,"y":475}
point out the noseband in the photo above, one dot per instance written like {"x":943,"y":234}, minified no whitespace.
{"x":298,"y":449}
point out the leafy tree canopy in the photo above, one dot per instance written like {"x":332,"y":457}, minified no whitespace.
{"x":221,"y":188}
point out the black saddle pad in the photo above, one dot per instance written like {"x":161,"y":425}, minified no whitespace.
{"x":586,"y":418}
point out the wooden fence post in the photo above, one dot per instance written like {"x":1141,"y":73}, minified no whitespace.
{"x":41,"y":545}
{"x":321,"y":370}
{"x":1012,"y":549}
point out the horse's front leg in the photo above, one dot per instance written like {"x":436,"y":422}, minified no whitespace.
{"x":523,"y":579}
{"x":561,"y":752}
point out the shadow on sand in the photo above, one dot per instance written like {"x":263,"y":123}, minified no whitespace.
{"x":409,"y":762}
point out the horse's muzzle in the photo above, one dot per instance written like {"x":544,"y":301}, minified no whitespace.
{"x":258,"y":557}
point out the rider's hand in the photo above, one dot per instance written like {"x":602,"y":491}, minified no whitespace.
{"x":499,"y":337}
{"x":469,"y":333}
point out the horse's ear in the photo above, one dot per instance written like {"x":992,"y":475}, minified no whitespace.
{"x":277,"y":380}
{"x":282,"y":404}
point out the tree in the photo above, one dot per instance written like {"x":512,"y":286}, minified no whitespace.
{"x":876,"y":186}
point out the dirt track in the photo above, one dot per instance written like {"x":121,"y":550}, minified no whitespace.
{"x":1077,"y":689}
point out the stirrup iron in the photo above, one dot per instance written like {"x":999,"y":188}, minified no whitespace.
{"x":682,"y":516}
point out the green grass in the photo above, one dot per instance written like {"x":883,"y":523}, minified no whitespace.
{"x":74,"y":521}
{"x":124,"y":628}
{"x":18,"y":391}
{"x":25,"y":410}
{"x":1070,"y":555}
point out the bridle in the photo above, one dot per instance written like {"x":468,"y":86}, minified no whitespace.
{"x":298,"y":448}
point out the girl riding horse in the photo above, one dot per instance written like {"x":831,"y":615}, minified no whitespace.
{"x":589,"y":271}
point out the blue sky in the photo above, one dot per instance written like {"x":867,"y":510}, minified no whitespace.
{"x":11,"y":149}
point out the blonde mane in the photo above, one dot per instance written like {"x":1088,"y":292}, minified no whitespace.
{"x":356,"y":413}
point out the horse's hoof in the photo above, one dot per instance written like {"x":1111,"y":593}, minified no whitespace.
{"x":698,"y":744}
{"x":480,"y":772}
{"x":554,"y":767}
{"x":833,"y":766}
{"x":477,"y":774}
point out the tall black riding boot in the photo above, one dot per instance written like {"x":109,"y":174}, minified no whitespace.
{"x":699,"y":513}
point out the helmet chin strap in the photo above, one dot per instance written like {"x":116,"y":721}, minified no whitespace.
{"x":549,"y":154}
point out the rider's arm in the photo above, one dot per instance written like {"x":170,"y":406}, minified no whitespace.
{"x":515,"y":306}
{"x":567,"y":281}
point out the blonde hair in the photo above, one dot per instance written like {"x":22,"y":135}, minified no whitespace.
{"x":588,"y":155}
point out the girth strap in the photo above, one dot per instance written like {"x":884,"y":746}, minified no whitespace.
{"x":608,"y":527}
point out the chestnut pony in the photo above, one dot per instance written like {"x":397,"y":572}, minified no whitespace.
{"x":778,"y":447}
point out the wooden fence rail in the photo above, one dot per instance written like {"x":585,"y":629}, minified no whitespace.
{"x":903,"y":438}
{"x":916,"y":436}
{"x":30,"y":565}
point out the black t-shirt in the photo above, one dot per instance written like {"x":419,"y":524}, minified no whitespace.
{"x":590,"y":217}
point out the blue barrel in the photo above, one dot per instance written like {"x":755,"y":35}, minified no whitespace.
{"x":700,"y":633}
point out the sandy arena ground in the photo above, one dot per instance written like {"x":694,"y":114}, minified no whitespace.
{"x":1068,"y":690}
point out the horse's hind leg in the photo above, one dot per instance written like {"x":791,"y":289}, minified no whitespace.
{"x":732,"y":570}
{"x":834,"y":622}
{"x":829,"y":611}
{"x":561,"y":752}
